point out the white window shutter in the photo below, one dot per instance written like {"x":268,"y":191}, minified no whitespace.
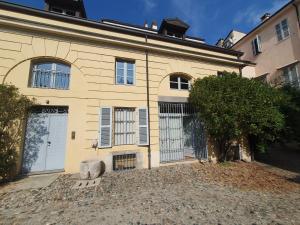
{"x":143,"y":136}
{"x":105,"y":131}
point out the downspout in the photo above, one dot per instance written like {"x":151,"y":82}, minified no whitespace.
{"x":297,"y":12}
{"x":148,"y":104}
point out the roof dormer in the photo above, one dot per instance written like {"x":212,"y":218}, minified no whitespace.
{"x":173,"y":27}
{"x":66,"y":7}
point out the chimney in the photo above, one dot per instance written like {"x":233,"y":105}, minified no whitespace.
{"x":265,"y":17}
{"x":154,"y":25}
{"x":146,"y":24}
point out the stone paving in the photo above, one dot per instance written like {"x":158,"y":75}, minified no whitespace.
{"x":183,"y":194}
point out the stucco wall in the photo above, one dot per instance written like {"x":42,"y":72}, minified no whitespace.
{"x":275,"y":54}
{"x":92,"y":82}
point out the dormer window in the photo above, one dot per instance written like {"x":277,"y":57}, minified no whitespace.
{"x":63,"y":11}
{"x":179,"y":82}
{"x":66,"y":7}
{"x":174,"y":28}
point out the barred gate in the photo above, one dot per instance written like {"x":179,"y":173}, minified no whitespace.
{"x":182,"y":135}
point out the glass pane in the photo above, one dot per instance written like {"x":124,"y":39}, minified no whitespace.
{"x":120,"y":65}
{"x":174,"y":85}
{"x":130,"y":75}
{"x":184,"y":80}
{"x":294,"y":76}
{"x":130,"y":66}
{"x":44,"y":66}
{"x":174,"y":78}
{"x":62,"y":68}
{"x":120,"y":72}
{"x":129,"y":80}
{"x":278,"y":32}
{"x":120,"y":79}
{"x":184,"y":86}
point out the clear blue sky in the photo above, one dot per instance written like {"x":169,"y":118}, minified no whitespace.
{"x":209,"y":19}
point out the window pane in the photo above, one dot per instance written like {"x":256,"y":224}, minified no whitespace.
{"x":44,"y":66}
{"x":183,"y":80}
{"x":174,"y":78}
{"x":294,"y":76}
{"x":120,"y":79}
{"x":130,"y":66}
{"x":184,"y":86}
{"x":62,"y":68}
{"x":130,"y":77}
{"x":278,"y":32}
{"x":120,"y":65}
{"x":174,"y":85}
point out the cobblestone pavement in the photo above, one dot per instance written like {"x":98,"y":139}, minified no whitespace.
{"x":183,"y":194}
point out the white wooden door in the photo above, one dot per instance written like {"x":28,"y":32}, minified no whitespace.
{"x":45,"y":141}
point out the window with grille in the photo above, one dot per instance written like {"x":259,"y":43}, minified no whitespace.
{"x":124,"y":162}
{"x":282,"y":30}
{"x":291,"y":76}
{"x":125,"y":72}
{"x":50,"y":75}
{"x":179,"y":82}
{"x":124,"y":126}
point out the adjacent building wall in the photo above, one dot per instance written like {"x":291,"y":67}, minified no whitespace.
{"x":275,"y":54}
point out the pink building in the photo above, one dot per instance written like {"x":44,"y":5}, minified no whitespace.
{"x":274,"y":46}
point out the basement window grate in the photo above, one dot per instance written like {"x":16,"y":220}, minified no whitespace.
{"x":124,"y":162}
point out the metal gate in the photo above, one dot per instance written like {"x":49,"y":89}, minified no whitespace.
{"x":182,"y":134}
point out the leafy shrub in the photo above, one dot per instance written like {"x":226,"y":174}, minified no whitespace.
{"x":233,"y":107}
{"x":13,"y":108}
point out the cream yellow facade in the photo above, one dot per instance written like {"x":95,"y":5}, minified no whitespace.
{"x":92,"y":52}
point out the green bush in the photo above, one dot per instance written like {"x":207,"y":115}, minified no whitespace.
{"x":233,"y":107}
{"x":13,"y":108}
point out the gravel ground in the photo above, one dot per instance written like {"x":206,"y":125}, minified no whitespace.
{"x":183,"y":194}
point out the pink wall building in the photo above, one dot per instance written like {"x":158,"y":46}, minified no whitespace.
{"x":274,"y":46}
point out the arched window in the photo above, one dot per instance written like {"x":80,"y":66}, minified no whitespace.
{"x":50,"y":75}
{"x":179,"y":82}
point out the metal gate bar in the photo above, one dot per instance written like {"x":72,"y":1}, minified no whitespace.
{"x":180,"y":133}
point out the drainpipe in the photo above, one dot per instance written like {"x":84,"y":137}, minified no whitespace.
{"x":297,"y":12}
{"x":148,"y":104}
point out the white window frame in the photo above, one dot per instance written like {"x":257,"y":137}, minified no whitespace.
{"x":280,"y":25}
{"x":259,"y":48}
{"x":53,"y":75}
{"x":179,"y":83}
{"x":125,"y":63}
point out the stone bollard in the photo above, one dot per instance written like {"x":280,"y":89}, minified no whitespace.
{"x":91,"y":169}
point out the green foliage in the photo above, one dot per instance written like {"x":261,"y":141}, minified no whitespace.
{"x":13,"y":107}
{"x":233,"y":107}
{"x":291,"y":110}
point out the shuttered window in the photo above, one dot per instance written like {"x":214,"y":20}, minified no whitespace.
{"x":143,"y":126}
{"x":124,"y":126}
{"x":256,"y":45}
{"x":105,"y":127}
